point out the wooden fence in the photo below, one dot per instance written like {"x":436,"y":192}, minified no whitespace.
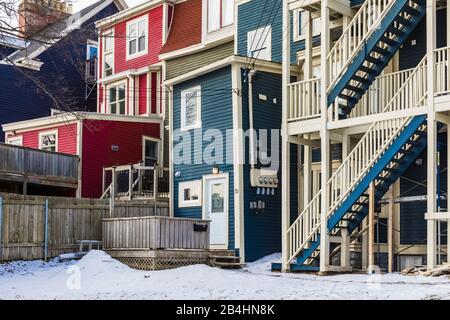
{"x":34,"y":227}
{"x":155,"y":233}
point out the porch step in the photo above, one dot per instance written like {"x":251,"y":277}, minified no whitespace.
{"x":225,"y":259}
{"x":228,"y":265}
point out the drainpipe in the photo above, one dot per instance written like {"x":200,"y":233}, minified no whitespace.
{"x":251,"y":74}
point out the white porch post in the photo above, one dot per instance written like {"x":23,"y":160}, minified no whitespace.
{"x":448,"y":148}
{"x":285,"y":156}
{"x":345,"y":245}
{"x":307,"y":73}
{"x":325,"y":139}
{"x":432,"y":135}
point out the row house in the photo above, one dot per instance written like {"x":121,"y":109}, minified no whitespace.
{"x":127,"y":125}
{"x":57,"y":51}
{"x":219,"y":92}
{"x":367,"y":111}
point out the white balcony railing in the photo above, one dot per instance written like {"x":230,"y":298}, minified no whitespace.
{"x":442,"y":72}
{"x":304,"y":100}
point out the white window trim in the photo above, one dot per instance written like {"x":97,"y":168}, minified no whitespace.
{"x":44,"y":133}
{"x":16,"y":138}
{"x":158,"y":141}
{"x":91,"y":43}
{"x":183,"y":109}
{"x":216,"y":35}
{"x":140,"y":53}
{"x":109,"y":33}
{"x":267,"y":35}
{"x":108,"y":104}
{"x":189,"y":185}
{"x":295,"y":25}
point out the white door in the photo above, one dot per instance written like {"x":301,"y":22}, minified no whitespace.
{"x":216,"y":210}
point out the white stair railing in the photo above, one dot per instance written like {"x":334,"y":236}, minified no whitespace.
{"x":363,"y":24}
{"x":353,"y":169}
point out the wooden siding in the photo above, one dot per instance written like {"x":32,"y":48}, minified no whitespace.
{"x":142,"y":97}
{"x":155,"y":19}
{"x":262,"y":231}
{"x":254,"y":14}
{"x":22,"y":225}
{"x":154,"y":233}
{"x":99,"y":138}
{"x":216,"y":114}
{"x":410,"y":54}
{"x":179,"y":66}
{"x":20,"y":97}
{"x":37,"y":166}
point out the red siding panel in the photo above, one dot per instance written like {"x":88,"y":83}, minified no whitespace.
{"x":155,"y":19}
{"x":143,"y":88}
{"x":97,"y":152}
{"x":67,"y":138}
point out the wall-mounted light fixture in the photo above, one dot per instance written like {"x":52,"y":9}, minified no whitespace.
{"x":215,"y":170}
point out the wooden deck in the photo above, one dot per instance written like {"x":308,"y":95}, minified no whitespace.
{"x":155,"y":243}
{"x":21,"y":166}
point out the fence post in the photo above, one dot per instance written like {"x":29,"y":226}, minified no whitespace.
{"x":155,"y":187}
{"x":1,"y":228}
{"x":130,"y":182}
{"x":46,"y":231}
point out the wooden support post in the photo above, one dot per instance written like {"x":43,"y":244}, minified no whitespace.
{"x":46,"y":229}
{"x":113,"y":191}
{"x":103,"y":180}
{"x":391,"y":230}
{"x":448,"y":161}
{"x":345,"y":245}
{"x":371,"y":226}
{"x":325,"y":139}
{"x":130,"y":183}
{"x":285,"y":154}
{"x":25,"y":188}
{"x":432,"y":134}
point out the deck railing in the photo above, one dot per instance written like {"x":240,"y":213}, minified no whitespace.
{"x":155,"y":233}
{"x":442,"y":71}
{"x":304,"y":100}
{"x":39,"y":164}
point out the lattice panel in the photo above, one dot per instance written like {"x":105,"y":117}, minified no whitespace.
{"x":145,"y":263}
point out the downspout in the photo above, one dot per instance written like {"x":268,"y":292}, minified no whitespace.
{"x":251,"y":74}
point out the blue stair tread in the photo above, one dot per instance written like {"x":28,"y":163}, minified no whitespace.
{"x":276,"y":266}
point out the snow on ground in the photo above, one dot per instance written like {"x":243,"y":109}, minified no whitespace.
{"x":98,"y":276}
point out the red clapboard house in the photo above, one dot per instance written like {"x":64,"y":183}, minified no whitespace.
{"x":128,"y":126}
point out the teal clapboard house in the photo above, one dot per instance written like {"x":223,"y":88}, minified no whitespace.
{"x":218,"y":97}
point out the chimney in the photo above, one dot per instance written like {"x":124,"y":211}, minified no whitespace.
{"x":35,"y":15}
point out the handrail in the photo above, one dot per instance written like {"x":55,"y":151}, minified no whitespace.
{"x":304,"y":100}
{"x":363,"y":24}
{"x":442,"y":71}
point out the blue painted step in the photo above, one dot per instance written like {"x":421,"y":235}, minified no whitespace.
{"x":355,"y":92}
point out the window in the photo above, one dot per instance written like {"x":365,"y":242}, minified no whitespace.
{"x":151,"y":151}
{"x":117,"y":99}
{"x":108,"y":53}
{"x":189,"y":194}
{"x":300,"y":24}
{"x":91,"y":50}
{"x":191,"y":109}
{"x":15,"y":141}
{"x":137,"y":31}
{"x":220,"y":14}
{"x":48,"y":140}
{"x":259,"y":43}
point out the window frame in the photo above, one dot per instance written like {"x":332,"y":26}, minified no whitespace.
{"x":183,"y":105}
{"x":221,"y":14}
{"x":158,"y":146}
{"x":108,"y":97}
{"x":45,"y":133}
{"x":10,"y":140}
{"x":136,"y":22}
{"x":182,"y":186}
{"x":268,"y":42}
{"x":298,"y":36}
{"x":109,"y":33}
